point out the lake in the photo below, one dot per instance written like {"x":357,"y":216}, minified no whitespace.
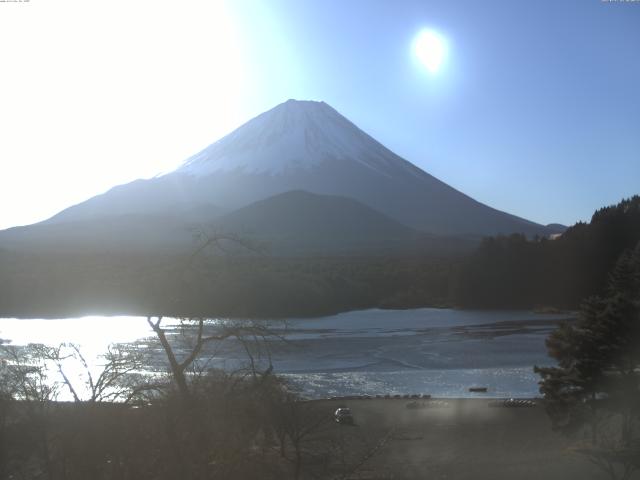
{"x":442,"y":352}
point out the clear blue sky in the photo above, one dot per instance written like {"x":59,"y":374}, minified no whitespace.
{"x":536,"y":109}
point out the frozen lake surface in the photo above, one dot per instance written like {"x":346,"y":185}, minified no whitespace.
{"x":442,"y":352}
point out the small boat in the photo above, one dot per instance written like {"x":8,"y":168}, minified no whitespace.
{"x":478,"y":389}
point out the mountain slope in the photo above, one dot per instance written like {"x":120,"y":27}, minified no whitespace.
{"x":118,"y":233}
{"x":290,"y":223}
{"x":302,"y":222}
{"x":301,"y":145}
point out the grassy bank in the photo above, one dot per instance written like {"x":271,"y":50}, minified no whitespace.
{"x":462,"y":439}
{"x":242,"y":439}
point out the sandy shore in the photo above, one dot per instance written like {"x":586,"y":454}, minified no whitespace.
{"x":464,"y":439}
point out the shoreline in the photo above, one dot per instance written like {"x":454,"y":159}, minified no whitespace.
{"x":369,"y":398}
{"x":62,"y":315}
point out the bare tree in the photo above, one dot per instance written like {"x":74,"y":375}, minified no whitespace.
{"x":299,"y":424}
{"x":6,"y":401}
{"x":107,"y":381}
{"x":239,"y":330}
{"x":26,"y":377}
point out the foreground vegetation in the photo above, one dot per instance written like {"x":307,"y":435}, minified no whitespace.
{"x":192,"y":422}
{"x":593,"y":394}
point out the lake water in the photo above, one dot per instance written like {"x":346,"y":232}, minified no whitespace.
{"x":442,"y":352}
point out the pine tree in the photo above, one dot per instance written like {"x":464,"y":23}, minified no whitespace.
{"x":594,"y":391}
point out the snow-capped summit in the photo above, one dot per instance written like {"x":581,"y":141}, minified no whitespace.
{"x":291,"y":136}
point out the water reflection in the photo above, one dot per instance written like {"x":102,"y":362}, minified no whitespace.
{"x":435,"y":350}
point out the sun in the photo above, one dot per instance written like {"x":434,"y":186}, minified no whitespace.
{"x":431,"y":49}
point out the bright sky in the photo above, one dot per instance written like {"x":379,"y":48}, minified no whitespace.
{"x":534,"y":107}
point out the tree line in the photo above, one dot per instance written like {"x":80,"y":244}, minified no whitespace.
{"x":503,"y":272}
{"x":240,"y":286}
{"x":516,"y":272}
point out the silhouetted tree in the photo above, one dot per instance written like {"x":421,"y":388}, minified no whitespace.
{"x":595,"y":389}
{"x":242,"y":331}
{"x":6,"y":402}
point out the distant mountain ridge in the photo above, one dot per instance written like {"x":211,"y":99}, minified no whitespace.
{"x":303,"y":222}
{"x":290,"y":223}
{"x":298,"y":146}
{"x":300,"y":213}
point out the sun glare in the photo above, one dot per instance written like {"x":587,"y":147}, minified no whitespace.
{"x":431,"y":49}
{"x":109,"y":87}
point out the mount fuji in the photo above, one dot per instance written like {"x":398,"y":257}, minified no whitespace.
{"x":298,"y":146}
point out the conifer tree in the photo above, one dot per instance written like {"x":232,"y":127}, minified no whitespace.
{"x":593,"y":394}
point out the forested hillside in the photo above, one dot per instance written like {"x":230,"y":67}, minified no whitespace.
{"x":504,"y":272}
{"x":237,"y":286}
{"x":514,"y":272}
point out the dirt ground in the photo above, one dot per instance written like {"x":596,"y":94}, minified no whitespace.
{"x":466,"y":439}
